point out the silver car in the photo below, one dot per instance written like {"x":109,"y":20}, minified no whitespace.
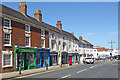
{"x":88,"y":60}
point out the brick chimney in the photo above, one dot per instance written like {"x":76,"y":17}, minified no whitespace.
{"x":80,"y":38}
{"x":59,"y":25}
{"x":23,"y":8}
{"x":72,"y":33}
{"x":38,"y":15}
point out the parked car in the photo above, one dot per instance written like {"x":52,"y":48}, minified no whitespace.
{"x":88,"y":60}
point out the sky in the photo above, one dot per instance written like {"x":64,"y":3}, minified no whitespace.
{"x":96,"y":22}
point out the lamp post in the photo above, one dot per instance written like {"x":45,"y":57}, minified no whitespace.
{"x":111,"y":42}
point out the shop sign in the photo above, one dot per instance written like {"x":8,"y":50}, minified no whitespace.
{"x":42,"y":51}
{"x":27,"y":50}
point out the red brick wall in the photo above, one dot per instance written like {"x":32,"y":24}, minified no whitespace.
{"x":17,"y":38}
{"x":46,"y":39}
{"x":35,"y":37}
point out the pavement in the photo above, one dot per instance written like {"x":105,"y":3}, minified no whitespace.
{"x":10,"y":75}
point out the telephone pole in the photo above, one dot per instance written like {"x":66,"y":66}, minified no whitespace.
{"x":111,"y":42}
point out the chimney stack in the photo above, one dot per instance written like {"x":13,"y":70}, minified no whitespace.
{"x":80,"y":38}
{"x":23,"y":8}
{"x":72,"y":33}
{"x":38,"y":15}
{"x":59,"y":25}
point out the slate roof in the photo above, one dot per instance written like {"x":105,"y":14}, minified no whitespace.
{"x":11,"y":12}
{"x":82,"y":42}
{"x":87,"y":43}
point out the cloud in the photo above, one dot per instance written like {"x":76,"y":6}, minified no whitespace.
{"x":90,"y":34}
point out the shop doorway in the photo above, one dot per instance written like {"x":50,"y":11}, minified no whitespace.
{"x":42,"y":59}
{"x":26,"y":61}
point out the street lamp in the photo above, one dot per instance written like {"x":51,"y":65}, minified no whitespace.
{"x":111,"y":42}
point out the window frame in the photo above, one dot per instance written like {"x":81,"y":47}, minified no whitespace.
{"x":11,"y":59}
{"x":9,"y":24}
{"x":9,"y":40}
{"x":25,"y":28}
{"x":44,"y":43}
{"x":29,"y":42}
{"x":42,"y":30}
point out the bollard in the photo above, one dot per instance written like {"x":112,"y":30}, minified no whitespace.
{"x":46,"y":66}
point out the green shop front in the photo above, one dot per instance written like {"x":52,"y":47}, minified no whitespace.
{"x":25,"y":57}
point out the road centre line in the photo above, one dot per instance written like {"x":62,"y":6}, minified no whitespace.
{"x":81,"y":70}
{"x":93,"y":66}
{"x":66,"y":76}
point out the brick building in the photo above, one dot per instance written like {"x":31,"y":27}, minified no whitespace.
{"x":100,"y":48}
{"x":29,"y":42}
{"x":21,"y":31}
{"x":26,"y":41}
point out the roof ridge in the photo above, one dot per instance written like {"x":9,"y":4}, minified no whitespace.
{"x":12,"y":9}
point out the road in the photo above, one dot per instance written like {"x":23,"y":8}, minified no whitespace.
{"x":103,"y":69}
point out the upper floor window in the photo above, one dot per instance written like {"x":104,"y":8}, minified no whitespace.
{"x":69,"y":47}
{"x":42,"y":32}
{"x":52,"y":35}
{"x":7,"y":23}
{"x":64,"y":45}
{"x":52,"y":44}
{"x":27,"y":28}
{"x":43,"y":43}
{"x":27,"y":41}
{"x":7,"y":39}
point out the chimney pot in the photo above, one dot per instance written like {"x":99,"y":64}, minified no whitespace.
{"x":38,"y":15}
{"x":59,"y":25}
{"x":23,"y":8}
{"x":72,"y":33}
{"x":80,"y":38}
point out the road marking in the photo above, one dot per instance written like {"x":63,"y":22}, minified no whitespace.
{"x":42,"y":72}
{"x":82,"y":70}
{"x":93,"y":66}
{"x":66,"y":76}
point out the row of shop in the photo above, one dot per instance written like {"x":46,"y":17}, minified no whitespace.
{"x":29,"y":57}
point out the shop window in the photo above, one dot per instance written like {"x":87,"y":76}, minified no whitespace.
{"x":31,"y":58}
{"x":7,"y":58}
{"x":46,"y":56}
{"x":27,"y":41}
{"x":27,"y":28}
{"x":38,"y":58}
